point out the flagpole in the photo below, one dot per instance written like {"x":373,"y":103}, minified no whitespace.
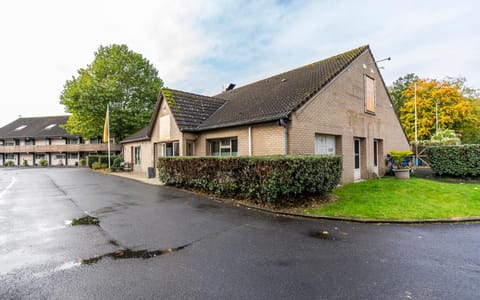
{"x":416,"y":126}
{"x":108,"y":125}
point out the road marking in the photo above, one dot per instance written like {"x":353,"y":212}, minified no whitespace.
{"x":8,"y":187}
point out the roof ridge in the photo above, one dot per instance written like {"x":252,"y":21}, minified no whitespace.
{"x":364,"y":47}
{"x":193,"y":94}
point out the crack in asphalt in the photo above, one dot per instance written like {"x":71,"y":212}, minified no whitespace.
{"x":103,"y":231}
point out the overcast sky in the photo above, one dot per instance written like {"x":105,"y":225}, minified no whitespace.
{"x":198,"y":46}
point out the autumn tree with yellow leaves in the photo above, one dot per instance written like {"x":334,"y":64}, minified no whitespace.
{"x":455,"y":109}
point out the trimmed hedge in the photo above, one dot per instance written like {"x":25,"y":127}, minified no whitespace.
{"x":461,"y":161}
{"x":102,"y":159}
{"x":266,"y":178}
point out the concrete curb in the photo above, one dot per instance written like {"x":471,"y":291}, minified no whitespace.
{"x":299,"y":215}
{"x":366,"y":221}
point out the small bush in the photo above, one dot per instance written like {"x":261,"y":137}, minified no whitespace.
{"x":25,"y":163}
{"x":116,"y":163}
{"x":461,"y":161}
{"x":96,"y":165}
{"x":42,"y":163}
{"x":83,"y":162}
{"x":269,"y":179}
{"x":10,"y":163}
{"x":100,"y":158}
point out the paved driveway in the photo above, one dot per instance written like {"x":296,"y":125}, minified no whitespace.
{"x":159,"y":243}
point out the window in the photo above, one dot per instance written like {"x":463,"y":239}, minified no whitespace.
{"x":9,"y":156}
{"x":74,"y":141}
{"x":369,"y":94}
{"x":94,"y":141}
{"x":72,"y":155}
{"x":39,"y":156}
{"x":29,"y":142}
{"x":325,"y":144}
{"x":190,"y":148}
{"x":10,"y":143}
{"x":169,"y":149}
{"x":224,"y":147}
{"x":60,"y":156}
{"x":20,"y":127}
{"x":137,"y":155}
{"x":50,"y":126}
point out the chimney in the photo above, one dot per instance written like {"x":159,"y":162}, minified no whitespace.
{"x":228,"y":87}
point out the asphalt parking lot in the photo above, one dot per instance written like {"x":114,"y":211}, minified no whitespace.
{"x":156,"y":242}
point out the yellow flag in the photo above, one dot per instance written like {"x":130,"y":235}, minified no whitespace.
{"x":105,"y":128}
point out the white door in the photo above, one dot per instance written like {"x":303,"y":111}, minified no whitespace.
{"x":325,"y":144}
{"x":375,"y":156}
{"x":356,"y":160}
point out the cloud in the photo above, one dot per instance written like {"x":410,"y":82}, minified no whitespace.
{"x":200,"y":45}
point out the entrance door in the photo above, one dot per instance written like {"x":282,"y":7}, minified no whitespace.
{"x":356,"y":159}
{"x":375,"y":156}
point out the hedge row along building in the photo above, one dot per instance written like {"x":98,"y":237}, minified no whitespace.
{"x":339,"y":105}
{"x":26,"y":141}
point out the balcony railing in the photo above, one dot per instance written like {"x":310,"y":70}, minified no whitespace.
{"x":60,"y":148}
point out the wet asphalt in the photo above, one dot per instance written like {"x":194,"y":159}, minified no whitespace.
{"x":157,"y":242}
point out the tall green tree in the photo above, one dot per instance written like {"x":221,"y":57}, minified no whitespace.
{"x":119,"y":77}
{"x":397,"y":88}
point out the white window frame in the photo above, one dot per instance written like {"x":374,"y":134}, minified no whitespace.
{"x":137,"y":155}
{"x":224,"y":144}
{"x":175,"y":145}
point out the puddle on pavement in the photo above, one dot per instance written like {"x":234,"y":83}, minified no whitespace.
{"x":322,"y":234}
{"x":128,"y":254}
{"x":86,"y":220}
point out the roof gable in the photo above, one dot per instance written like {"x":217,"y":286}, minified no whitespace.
{"x":278,"y":96}
{"x":190,"y":110}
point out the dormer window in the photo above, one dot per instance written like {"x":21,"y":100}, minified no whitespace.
{"x":20,"y":127}
{"x":50,"y":126}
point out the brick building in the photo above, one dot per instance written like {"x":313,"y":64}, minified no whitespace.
{"x":339,"y":105}
{"x":30,"y":140}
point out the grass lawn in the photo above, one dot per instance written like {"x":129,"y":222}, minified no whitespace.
{"x":412,"y":199}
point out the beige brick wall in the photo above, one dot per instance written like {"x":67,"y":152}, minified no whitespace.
{"x":266,"y":139}
{"x":145,"y":155}
{"x":339,"y":110}
{"x":241,"y":133}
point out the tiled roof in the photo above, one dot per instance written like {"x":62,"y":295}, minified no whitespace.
{"x":190,"y":110}
{"x":35,"y":128}
{"x":141,"y":135}
{"x":278,"y":96}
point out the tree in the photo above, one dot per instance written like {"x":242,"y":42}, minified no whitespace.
{"x":398,"y":87}
{"x":454,"y":110}
{"x":121,"y":78}
{"x":471,"y":130}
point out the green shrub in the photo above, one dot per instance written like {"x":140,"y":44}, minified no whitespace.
{"x":83,"y":162}
{"x":116,"y":163}
{"x":100,"y":158}
{"x":25,"y":163}
{"x":461,"y":161}
{"x":96,"y":165}
{"x":270,"y":179}
{"x":10,"y":163}
{"x":42,"y":163}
